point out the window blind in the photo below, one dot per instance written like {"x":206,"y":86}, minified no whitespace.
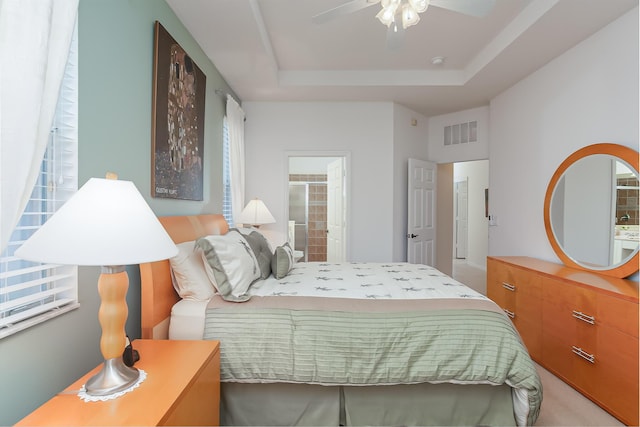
{"x":227,"y":209}
{"x":30,"y":292}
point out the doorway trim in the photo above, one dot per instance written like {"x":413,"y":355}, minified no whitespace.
{"x":346,"y":155}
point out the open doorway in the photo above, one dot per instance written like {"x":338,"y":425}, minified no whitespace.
{"x":471,"y":228}
{"x":317,"y":206}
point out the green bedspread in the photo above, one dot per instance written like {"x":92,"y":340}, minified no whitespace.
{"x":334,"y":341}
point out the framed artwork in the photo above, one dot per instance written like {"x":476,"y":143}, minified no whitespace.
{"x":178,"y":121}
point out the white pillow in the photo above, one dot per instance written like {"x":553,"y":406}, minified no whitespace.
{"x":189,"y":277}
{"x":230,"y":264}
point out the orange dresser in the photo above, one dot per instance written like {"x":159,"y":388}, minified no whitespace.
{"x":581,"y":326}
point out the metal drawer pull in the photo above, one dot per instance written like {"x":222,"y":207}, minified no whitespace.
{"x":511,"y":314}
{"x":508,"y":286}
{"x":586,"y":356}
{"x":585,"y":318}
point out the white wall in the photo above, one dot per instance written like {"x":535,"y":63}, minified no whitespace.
{"x":587,"y":95}
{"x":364,"y":130}
{"x":410,"y":131}
{"x":309,"y":165}
{"x":378,"y":137}
{"x":477,"y":173}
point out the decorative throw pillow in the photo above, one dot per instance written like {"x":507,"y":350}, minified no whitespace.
{"x":261,"y":249}
{"x":248,"y":230}
{"x":188,"y":274}
{"x":282,"y":261}
{"x":230,"y":264}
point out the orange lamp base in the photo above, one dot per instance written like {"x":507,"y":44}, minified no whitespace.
{"x":114,"y":376}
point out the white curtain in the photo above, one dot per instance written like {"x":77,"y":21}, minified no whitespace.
{"x":35,"y":36}
{"x":235,"y":119}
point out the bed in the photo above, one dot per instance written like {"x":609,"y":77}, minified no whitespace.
{"x":347,"y":343}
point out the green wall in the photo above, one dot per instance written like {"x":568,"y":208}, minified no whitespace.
{"x":115,"y":89}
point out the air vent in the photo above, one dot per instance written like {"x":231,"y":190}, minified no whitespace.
{"x":461,"y":133}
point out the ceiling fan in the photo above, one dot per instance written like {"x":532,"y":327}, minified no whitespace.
{"x":398,"y":15}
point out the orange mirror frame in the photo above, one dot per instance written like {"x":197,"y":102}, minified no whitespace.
{"x":621,"y":152}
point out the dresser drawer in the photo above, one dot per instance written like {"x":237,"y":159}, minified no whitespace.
{"x":616,"y":383}
{"x":606,"y":371}
{"x":599,"y":360}
{"x":618,"y":313}
{"x":510,"y":284}
{"x":569,"y":313}
{"x":582,"y":326}
{"x":563,"y":297}
{"x":518,"y":292}
{"x":499,"y":277}
{"x":588,"y":307}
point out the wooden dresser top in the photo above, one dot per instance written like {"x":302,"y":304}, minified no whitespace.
{"x":622,"y":288}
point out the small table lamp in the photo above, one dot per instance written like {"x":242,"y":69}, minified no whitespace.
{"x":256,"y":214}
{"x":106,"y":223}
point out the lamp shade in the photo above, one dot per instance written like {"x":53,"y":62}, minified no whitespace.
{"x":106,"y":223}
{"x":256,"y":213}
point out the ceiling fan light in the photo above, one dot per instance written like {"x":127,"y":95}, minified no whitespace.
{"x":419,"y":5}
{"x":386,"y":15}
{"x":409,"y":16}
{"x":390,"y":3}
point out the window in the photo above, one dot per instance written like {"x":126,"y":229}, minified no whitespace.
{"x":31,"y":293}
{"x":227,"y":209}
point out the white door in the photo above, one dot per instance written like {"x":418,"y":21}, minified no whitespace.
{"x":421,"y":235}
{"x":461,"y":218}
{"x":335,"y":211}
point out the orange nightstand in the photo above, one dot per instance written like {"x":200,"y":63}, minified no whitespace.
{"x":182,"y":388}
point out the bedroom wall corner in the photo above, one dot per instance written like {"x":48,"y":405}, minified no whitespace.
{"x":410,"y":132}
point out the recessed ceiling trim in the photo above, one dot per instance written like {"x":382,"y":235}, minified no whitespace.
{"x":316,"y":78}
{"x":298,"y":60}
{"x":511,"y":32}
{"x":372,"y":78}
{"x":264,"y":35}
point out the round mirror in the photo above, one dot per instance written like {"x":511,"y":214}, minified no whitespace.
{"x":591,"y":210}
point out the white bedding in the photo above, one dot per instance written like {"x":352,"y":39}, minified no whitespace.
{"x":364,"y":281}
{"x":343,"y":280}
{"x":187,"y":320}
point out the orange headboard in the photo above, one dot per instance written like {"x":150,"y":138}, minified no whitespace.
{"x":157,"y":292}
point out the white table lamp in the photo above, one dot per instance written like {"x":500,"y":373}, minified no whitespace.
{"x":106,"y":223}
{"x":256,"y":214}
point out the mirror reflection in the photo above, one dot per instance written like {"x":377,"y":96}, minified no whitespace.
{"x":594,"y":212}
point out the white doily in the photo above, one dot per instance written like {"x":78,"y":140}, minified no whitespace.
{"x":88,"y":398}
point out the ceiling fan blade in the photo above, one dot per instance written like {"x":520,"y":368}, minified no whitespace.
{"x":395,"y":36}
{"x":478,"y":8}
{"x":343,"y":9}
